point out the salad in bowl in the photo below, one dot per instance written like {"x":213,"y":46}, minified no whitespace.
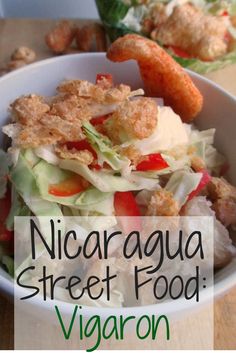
{"x":199,"y":34}
{"x":102,"y":149}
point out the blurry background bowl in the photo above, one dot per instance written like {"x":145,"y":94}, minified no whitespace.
{"x":219,"y":111}
{"x":112,"y":15}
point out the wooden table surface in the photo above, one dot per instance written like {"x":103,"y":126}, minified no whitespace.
{"x":15,"y":33}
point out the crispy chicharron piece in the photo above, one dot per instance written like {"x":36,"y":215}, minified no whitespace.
{"x":162,"y":76}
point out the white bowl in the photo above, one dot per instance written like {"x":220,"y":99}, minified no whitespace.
{"x":219,"y":111}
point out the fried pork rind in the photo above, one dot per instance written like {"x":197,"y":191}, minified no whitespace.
{"x":25,"y":54}
{"x":200,"y":35}
{"x":84,"y":156}
{"x":157,"y":16}
{"x":132,"y":153}
{"x":68,"y":131}
{"x":38,"y":127}
{"x":28,"y":110}
{"x":223,"y":196}
{"x":223,"y":248}
{"x":162,"y":203}
{"x":71,"y":107}
{"x":15,"y":64}
{"x":19,"y":58}
{"x":210,"y":48}
{"x":135,"y":119}
{"x":86,"y":35}
{"x":60,"y":120}
{"x":35,"y":136}
{"x":219,"y":188}
{"x":50,"y":130}
{"x":225,"y":210}
{"x":162,"y":76}
{"x":117,"y":94}
{"x":96,"y":92}
{"x":79,"y":88}
{"x":60,"y":38}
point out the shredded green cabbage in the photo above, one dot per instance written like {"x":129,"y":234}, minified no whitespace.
{"x":107,"y":182}
{"x":103,"y":147}
{"x":181,"y":184}
{"x":24,"y":181}
{"x":4,"y":170}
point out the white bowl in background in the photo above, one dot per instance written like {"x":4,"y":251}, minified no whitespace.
{"x":219,"y":111}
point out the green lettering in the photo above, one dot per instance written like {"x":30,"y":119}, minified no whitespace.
{"x":123,"y":323}
{"x":156,"y":324}
{"x":88,"y":332}
{"x":66,"y":334}
{"x":138,"y":327}
{"x":112,"y":320}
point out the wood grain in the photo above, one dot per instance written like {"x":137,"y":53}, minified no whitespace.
{"x":225,"y":322}
{"x":18,"y":32}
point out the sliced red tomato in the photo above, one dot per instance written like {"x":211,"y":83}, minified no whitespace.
{"x":180,"y":52}
{"x":225,"y":13}
{"x":5,"y":206}
{"x":125,"y":205}
{"x":152,"y":162}
{"x":203,"y":182}
{"x":99,"y":120}
{"x":68,"y":187}
{"x":95,"y":166}
{"x":81,"y":145}
{"x":101,"y":76}
{"x":6,"y":235}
